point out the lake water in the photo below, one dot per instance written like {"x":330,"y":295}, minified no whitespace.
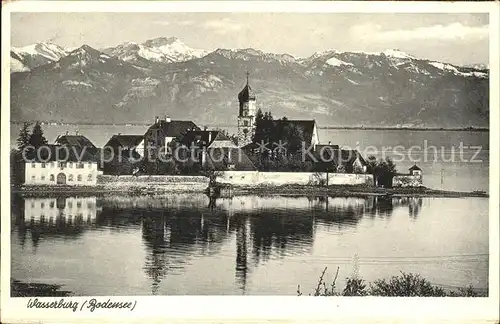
{"x":436,"y":152}
{"x":190,"y":244}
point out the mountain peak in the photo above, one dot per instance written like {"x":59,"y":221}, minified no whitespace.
{"x":85,"y":49}
{"x":50,"y":51}
{"x":396,"y":53}
{"x":160,"y":49}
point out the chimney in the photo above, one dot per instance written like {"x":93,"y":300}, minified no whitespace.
{"x":167,"y":119}
{"x":329,"y":143}
{"x":205,"y":128}
{"x":157,"y":119}
{"x":76,"y":132}
{"x":67,"y":132}
{"x":119,"y":133}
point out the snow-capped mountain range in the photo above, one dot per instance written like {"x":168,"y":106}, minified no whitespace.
{"x":27,"y":57}
{"x":163,"y":50}
{"x":135,"y":82}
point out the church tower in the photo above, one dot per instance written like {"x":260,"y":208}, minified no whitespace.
{"x":246,"y":116}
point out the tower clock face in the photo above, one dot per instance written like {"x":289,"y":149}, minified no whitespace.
{"x":245,"y":130}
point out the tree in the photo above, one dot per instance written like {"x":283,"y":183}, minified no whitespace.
{"x":258,"y":116}
{"x":23,"y":139}
{"x":383,"y":171}
{"x":37,"y":139}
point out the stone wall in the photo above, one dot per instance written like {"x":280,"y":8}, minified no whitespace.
{"x":407,"y":181}
{"x":293,"y":178}
{"x":154,"y":183}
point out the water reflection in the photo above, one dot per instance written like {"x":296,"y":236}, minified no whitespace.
{"x":58,"y":218}
{"x":176,"y":229}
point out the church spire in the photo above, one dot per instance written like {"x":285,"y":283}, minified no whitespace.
{"x":247,"y":93}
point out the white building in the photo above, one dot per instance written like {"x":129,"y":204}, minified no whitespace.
{"x":60,"y":165}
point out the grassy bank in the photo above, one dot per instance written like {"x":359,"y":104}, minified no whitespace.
{"x":349,"y":191}
{"x":403,"y":285}
{"x":22,"y":289}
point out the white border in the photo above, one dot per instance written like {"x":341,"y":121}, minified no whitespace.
{"x":249,"y":309}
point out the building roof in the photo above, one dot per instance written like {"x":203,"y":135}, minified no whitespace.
{"x":208,"y":138}
{"x":349,"y":156}
{"x":415,"y":167}
{"x":326,"y":153}
{"x":246,"y":94}
{"x":124,"y":141}
{"x":174,"y":128}
{"x":326,"y":148}
{"x":63,"y":153}
{"x":222,"y":158}
{"x":74,"y":140}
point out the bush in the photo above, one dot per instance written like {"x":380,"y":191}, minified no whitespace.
{"x":406,"y":285}
{"x":354,"y":287}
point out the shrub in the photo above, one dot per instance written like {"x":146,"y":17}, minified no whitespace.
{"x":354,"y":287}
{"x":406,"y":285}
{"x":464,"y":292}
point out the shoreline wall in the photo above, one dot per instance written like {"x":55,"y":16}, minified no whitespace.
{"x":237,"y":178}
{"x":153,"y":182}
{"x":249,"y":178}
{"x":407,"y":180}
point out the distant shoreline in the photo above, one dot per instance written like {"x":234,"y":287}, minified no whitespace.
{"x":473,"y":129}
{"x":455,"y":129}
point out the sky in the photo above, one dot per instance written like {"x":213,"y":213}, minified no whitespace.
{"x":455,"y":38}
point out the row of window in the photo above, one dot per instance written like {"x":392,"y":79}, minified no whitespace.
{"x":70,"y":177}
{"x":51,"y":218}
{"x":69,"y":205}
{"x":78,"y":165}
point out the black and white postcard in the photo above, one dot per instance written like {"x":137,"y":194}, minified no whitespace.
{"x":324,"y":160}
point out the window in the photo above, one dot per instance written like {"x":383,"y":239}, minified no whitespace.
{"x":51,"y":177}
{"x":70,"y":178}
{"x":43,"y":177}
{"x":51,"y":204}
{"x":51,"y":164}
{"x":42,"y":205}
{"x":33,"y":177}
{"x":79,"y":177}
{"x":70,"y":164}
{"x":33,"y":165}
{"x":89,"y":178}
{"x":62,"y":165}
{"x":79,"y":165}
{"x":79,"y":204}
{"x":245,"y":122}
{"x":70,"y":204}
{"x":43,"y":165}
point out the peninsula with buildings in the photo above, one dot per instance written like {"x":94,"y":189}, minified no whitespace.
{"x":268,"y":155}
